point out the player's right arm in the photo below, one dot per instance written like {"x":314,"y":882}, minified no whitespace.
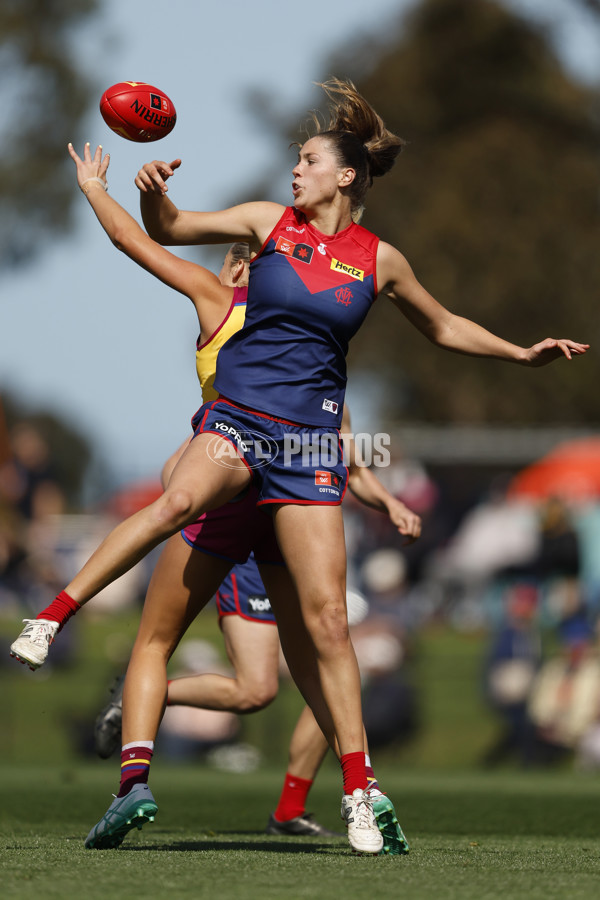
{"x":169,"y":225}
{"x":210,"y":298}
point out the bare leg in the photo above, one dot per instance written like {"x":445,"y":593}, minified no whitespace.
{"x":253,"y":650}
{"x":183,"y":582}
{"x":197,"y":484}
{"x":297,"y":645}
{"x":312,"y":541}
{"x":308,"y":747}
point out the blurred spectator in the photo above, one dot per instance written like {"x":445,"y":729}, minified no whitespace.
{"x":31,"y":500}
{"x":383,"y":579}
{"x":558,"y":552}
{"x":27,"y":479}
{"x":389,"y":699}
{"x":586,"y":519}
{"x":565,"y":698}
{"x":512,"y":661}
{"x":495,"y":535}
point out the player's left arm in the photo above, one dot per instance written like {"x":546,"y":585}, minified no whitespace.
{"x":453,"y":332}
{"x":367,"y":488}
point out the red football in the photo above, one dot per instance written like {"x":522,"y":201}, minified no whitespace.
{"x":138,"y":111}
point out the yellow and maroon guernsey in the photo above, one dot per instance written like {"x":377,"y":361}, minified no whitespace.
{"x":207,"y":352}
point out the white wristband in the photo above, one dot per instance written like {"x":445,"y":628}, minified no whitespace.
{"x":93,"y":178}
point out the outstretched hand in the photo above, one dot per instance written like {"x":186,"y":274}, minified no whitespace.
{"x":152,"y":176}
{"x":547,"y":351}
{"x":406,"y":521}
{"x":90,"y":166}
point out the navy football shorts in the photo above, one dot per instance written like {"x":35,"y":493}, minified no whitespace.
{"x":242,"y":593}
{"x":289,"y":463}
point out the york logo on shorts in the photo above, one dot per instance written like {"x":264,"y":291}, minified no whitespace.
{"x":303,"y":252}
{"x":330,"y":406}
{"x":259,"y":604}
{"x":339,"y":266}
{"x":226,"y":428}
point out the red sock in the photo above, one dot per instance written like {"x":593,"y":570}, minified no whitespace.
{"x":292,"y":802}
{"x":354,"y":771}
{"x":135,"y":768}
{"x":60,"y":610}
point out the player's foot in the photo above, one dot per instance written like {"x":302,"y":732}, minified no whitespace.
{"x":394,"y":841}
{"x":107,"y":728}
{"x":363,"y":832}
{"x":305,"y":824}
{"x":124,"y":813}
{"x":31,"y":647}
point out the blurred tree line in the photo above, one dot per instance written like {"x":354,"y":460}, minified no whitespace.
{"x":68,"y":453}
{"x":495,"y":203}
{"x":44,"y":97}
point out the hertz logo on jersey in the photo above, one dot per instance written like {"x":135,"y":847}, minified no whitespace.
{"x":352,"y":271}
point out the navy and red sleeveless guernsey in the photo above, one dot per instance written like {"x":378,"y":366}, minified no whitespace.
{"x":308,"y":295}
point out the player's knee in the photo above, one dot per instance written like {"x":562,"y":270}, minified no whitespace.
{"x":328,"y":627}
{"x":257,"y":695}
{"x":175,"y":509}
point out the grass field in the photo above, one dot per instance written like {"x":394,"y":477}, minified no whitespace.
{"x":50,"y":706}
{"x":474,"y":836}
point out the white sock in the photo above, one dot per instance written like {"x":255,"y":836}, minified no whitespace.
{"x":149,"y":745}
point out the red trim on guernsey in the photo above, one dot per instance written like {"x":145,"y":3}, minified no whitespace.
{"x":255,"y":412}
{"x":326,"y":237}
{"x":234,"y":303}
{"x":269,"y":236}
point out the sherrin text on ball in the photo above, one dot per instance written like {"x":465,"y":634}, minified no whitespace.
{"x":138,"y":111}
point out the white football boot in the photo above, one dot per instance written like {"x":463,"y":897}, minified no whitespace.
{"x":363,"y":832}
{"x":31,"y":647}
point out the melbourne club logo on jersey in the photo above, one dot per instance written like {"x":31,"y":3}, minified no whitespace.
{"x":344,"y":295}
{"x":330,"y":406}
{"x":302,"y":252}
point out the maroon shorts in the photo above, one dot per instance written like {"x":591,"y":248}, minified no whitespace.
{"x":236,"y":529}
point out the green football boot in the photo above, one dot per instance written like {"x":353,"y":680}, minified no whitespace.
{"x":124,"y":813}
{"x":394,"y":841}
